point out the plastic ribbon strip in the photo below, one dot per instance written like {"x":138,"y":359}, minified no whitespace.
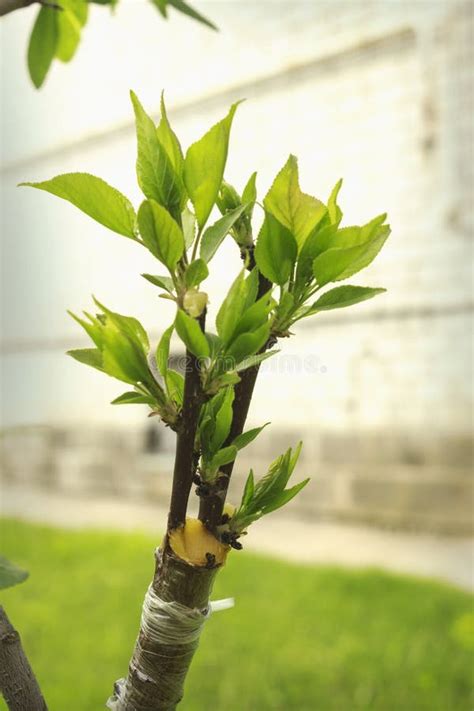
{"x":167,"y":623}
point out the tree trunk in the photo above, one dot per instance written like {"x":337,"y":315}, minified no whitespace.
{"x":17,"y":681}
{"x":175,"y":609}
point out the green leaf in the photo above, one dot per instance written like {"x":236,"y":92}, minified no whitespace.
{"x":88,"y":356}
{"x":96,"y":198}
{"x":351,"y":236}
{"x":247,"y":344}
{"x":42,"y":45}
{"x":248,"y":490}
{"x":285,"y":496}
{"x":249,"y":195}
{"x":169,"y":140}
{"x":204,"y":167}
{"x":133,"y":398}
{"x":191,"y":12}
{"x":156,"y":175}
{"x":232,"y":306}
{"x":334,"y":211}
{"x":247,"y":437}
{"x":343,"y":296}
{"x":188,"y":220}
{"x":175,"y":386}
{"x":128,"y":325}
{"x":70,"y":22}
{"x":163,"y":351}
{"x":224,"y":456}
{"x":161,"y":6}
{"x":317,"y":242}
{"x":276,"y":251}
{"x":196,"y":272}
{"x":299,"y":212}
{"x":189,"y":331}
{"x":223,"y":420}
{"x":160,"y":233}
{"x":214,"y":235}
{"x":254,"y":316}
{"x":163,"y":282}
{"x":340,"y":263}
{"x":254,"y":360}
{"x":10,"y":574}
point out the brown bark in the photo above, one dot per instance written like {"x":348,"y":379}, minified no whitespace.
{"x":18,"y":683}
{"x":184,"y":464}
{"x":157,"y":671}
{"x":7,"y":6}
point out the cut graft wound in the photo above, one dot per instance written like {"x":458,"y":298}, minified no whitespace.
{"x":174,"y":611}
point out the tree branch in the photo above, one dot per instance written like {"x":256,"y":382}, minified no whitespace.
{"x":184,"y":463}
{"x":18,"y":683}
{"x":7,"y":6}
{"x":211,"y":506}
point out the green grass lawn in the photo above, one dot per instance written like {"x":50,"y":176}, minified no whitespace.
{"x":300,"y":638}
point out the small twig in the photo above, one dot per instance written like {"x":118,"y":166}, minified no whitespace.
{"x":7,"y":6}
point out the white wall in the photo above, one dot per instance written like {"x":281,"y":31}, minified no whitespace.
{"x":377,"y":92}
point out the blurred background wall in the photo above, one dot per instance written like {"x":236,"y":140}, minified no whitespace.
{"x":379,"y":93}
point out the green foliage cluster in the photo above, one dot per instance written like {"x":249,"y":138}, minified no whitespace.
{"x":368,"y":640}
{"x":58,"y":25}
{"x":301,"y":249}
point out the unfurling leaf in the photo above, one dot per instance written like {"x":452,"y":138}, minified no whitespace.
{"x":194,"y":302}
{"x":247,"y":437}
{"x":96,"y":198}
{"x":204,"y":167}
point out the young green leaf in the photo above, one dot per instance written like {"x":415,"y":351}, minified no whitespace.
{"x":88,"y":356}
{"x":69,"y":35}
{"x":334,"y":211}
{"x":204,"y":167}
{"x":160,"y":233}
{"x":95,"y":197}
{"x":188,"y":221}
{"x":163,"y":282}
{"x":133,"y":398}
{"x":169,"y":140}
{"x":247,"y":344}
{"x":214,"y":235}
{"x":299,"y":212}
{"x":233,"y":304}
{"x":342,"y":296}
{"x":254,"y":360}
{"x":223,"y":420}
{"x":175,"y":386}
{"x":249,"y":195}
{"x":156,"y":176}
{"x":337,"y":264}
{"x":42,"y":45}
{"x":191,"y":12}
{"x":189,"y":331}
{"x":247,"y":437}
{"x":224,"y":456}
{"x":163,"y":351}
{"x":10,"y":574}
{"x":196,"y":272}
{"x":276,"y":251}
